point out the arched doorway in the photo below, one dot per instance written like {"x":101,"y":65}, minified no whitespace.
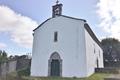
{"x":55,"y":65}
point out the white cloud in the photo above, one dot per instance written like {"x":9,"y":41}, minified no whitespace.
{"x":109,"y":14}
{"x":2,"y":45}
{"x":20,"y":27}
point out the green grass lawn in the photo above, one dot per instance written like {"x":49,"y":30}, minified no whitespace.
{"x":96,"y":76}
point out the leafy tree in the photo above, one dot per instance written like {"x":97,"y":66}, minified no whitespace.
{"x":111,"y":50}
{"x":3,"y":56}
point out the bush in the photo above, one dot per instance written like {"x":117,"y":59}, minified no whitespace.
{"x":24,"y":72}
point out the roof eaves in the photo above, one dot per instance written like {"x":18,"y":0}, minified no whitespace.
{"x":41,"y":24}
{"x":60,"y":15}
{"x":86,"y":26}
{"x":74,"y":18}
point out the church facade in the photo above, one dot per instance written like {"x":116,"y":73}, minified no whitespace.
{"x":65,"y":46}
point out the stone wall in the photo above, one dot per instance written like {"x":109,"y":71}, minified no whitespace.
{"x":108,"y":70}
{"x":23,"y":63}
{"x":14,"y":65}
{"x":7,"y":67}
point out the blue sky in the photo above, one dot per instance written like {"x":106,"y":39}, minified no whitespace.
{"x":19,"y":17}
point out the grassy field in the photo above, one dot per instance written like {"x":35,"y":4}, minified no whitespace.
{"x":96,"y":76}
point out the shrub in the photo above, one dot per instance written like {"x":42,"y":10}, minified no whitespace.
{"x":24,"y":72}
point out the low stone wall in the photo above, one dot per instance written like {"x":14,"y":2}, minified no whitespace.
{"x":7,"y":67}
{"x":3,"y":69}
{"x":111,"y":79}
{"x":23,"y":63}
{"x":14,"y":65}
{"x":108,"y":70}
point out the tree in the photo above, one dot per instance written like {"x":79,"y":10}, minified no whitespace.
{"x":111,"y":50}
{"x":3,"y":56}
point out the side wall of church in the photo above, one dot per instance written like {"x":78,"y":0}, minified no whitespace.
{"x":93,"y":52}
{"x":68,"y":46}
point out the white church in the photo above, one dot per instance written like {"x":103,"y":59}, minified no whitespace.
{"x":65,"y":46}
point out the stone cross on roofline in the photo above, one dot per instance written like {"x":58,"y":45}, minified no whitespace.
{"x":57,"y":2}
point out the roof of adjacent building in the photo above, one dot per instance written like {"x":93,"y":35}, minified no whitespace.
{"x":86,"y":26}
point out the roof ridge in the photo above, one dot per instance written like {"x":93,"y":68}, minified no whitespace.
{"x":74,"y":18}
{"x":59,"y":16}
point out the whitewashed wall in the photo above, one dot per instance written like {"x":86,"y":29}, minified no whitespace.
{"x":70,"y":47}
{"x":93,"y":51}
{"x":99,"y":56}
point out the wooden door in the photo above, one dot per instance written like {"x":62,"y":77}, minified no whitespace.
{"x":55,"y":68}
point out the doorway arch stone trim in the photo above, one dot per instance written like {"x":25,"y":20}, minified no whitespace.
{"x":54,"y":56}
